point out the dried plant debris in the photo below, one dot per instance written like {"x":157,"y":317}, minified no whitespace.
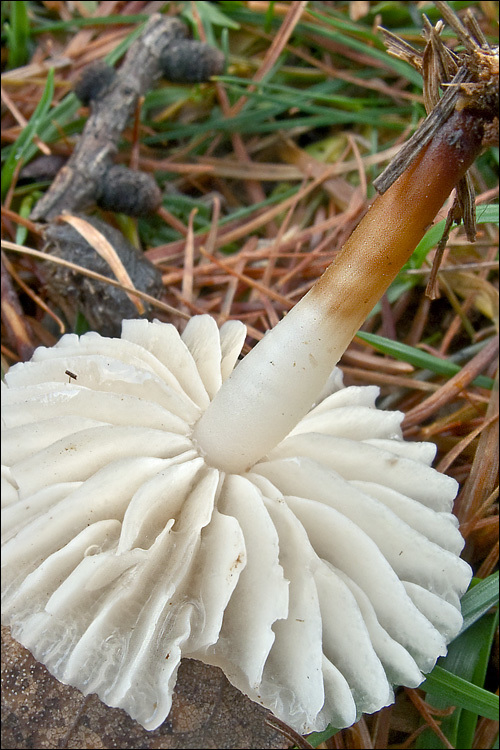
{"x":89,"y":178}
{"x":103,"y":306}
{"x":113,"y":97}
{"x":42,"y":168}
{"x":469,"y":79}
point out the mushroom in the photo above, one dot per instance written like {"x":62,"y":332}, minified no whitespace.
{"x":316,"y":578}
{"x":266,"y":519}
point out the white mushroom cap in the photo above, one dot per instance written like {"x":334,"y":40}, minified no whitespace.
{"x":317,"y":580}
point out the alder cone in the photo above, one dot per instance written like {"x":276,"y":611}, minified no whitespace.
{"x":189,"y":61}
{"x":129,"y":192}
{"x":94,"y":81}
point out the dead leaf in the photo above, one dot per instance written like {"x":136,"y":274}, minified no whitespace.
{"x":107,"y":252}
{"x":38,"y":711}
{"x":486,"y":298}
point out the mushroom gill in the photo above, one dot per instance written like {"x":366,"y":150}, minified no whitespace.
{"x":318,"y":579}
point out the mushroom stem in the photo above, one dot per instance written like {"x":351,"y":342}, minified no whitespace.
{"x":279,"y":380}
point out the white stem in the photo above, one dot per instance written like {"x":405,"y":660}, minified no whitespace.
{"x":271,"y":389}
{"x":276,"y":384}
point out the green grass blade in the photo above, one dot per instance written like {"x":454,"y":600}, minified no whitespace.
{"x":461,"y":693}
{"x":20,"y":147}
{"x":479,"y":599}
{"x":458,"y":681}
{"x":292,"y":97}
{"x":49,"y":127}
{"x":316,"y":738}
{"x":484,"y":215}
{"x":24,"y":212}
{"x":268,"y":19}
{"x":378,"y":54}
{"x":419,"y":358}
{"x":18,"y":33}
{"x":257,"y":121}
{"x":74,"y":24}
{"x":213,"y":14}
